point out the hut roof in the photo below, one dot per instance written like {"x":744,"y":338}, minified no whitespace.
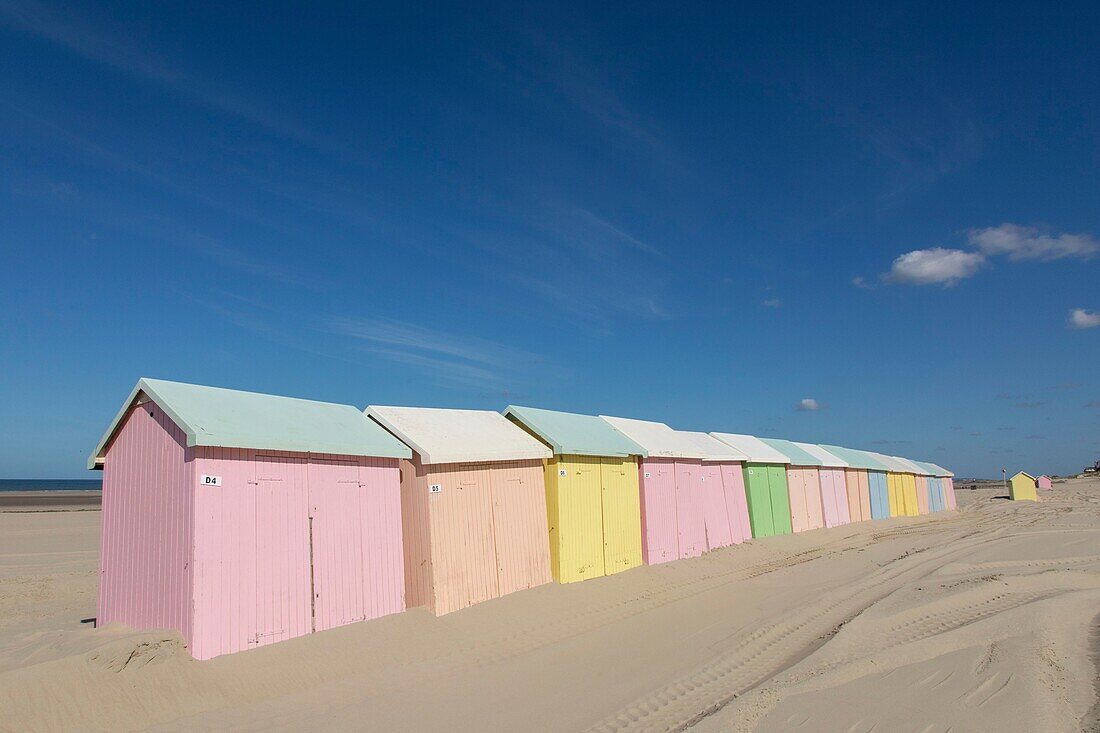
{"x":572,"y":434}
{"x":755,"y":449}
{"x":913,"y":467}
{"x":828,"y":460}
{"x":1023,"y":473}
{"x":932,"y":469}
{"x":712,"y":448}
{"x":658,"y":439}
{"x":796,"y":456}
{"x":229,"y":418}
{"x":857,"y":458}
{"x":458,"y":436}
{"x":892,"y":464}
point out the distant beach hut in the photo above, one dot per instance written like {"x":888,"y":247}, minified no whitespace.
{"x":473,"y":506}
{"x":920,"y":477}
{"x":1044,"y":482}
{"x":866,"y":478}
{"x":242,"y":519}
{"x":685,"y":511}
{"x":1021,"y":487}
{"x":803,"y":485}
{"x":765,"y":473}
{"x":916,"y":498}
{"x":592,"y":497}
{"x":896,"y":488}
{"x":936,"y":499}
{"x":948,"y":483}
{"x":834,"y":489}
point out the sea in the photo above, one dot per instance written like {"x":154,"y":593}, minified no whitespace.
{"x":63,"y":484}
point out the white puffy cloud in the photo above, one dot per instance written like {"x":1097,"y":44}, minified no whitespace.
{"x":808,"y":405}
{"x":936,"y":266}
{"x":1081,"y":318}
{"x":1029,"y":243}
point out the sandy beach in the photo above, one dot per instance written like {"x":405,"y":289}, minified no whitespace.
{"x":980,"y":619}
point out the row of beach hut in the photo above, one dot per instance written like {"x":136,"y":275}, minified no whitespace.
{"x":243,"y":519}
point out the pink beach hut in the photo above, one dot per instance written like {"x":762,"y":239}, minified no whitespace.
{"x":242,"y":519}
{"x":473,"y":506}
{"x":686,"y":507}
{"x":1044,"y":482}
{"x":834,"y":489}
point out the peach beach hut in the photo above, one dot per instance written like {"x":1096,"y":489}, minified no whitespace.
{"x":473,"y":506}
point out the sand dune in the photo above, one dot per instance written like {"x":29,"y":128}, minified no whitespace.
{"x":974,"y":620}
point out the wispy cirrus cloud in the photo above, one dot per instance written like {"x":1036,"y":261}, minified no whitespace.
{"x":122,"y":52}
{"x":455,"y":358}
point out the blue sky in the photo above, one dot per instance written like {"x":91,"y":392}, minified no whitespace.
{"x":700,"y":216}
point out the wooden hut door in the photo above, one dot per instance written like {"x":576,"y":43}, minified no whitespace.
{"x":621,"y":509}
{"x":691,"y":529}
{"x":519,"y":525}
{"x":716,"y":517}
{"x":336,"y":535}
{"x":280,"y":550}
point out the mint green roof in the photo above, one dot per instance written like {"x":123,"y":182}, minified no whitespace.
{"x":568,"y":433}
{"x":856,"y":458}
{"x":227,"y":418}
{"x":932,"y":468}
{"x":798,"y":456}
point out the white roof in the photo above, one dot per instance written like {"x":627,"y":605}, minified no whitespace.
{"x":712,"y":448}
{"x":755,"y":450}
{"x":659,"y":440}
{"x":913,"y":468}
{"x":892,"y":464}
{"x":827,"y":459}
{"x":459,"y":436}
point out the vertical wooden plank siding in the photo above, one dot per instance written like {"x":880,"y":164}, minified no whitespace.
{"x":804,"y":488}
{"x":716,"y":517}
{"x":758,"y":500}
{"x":949,"y":492}
{"x":851,"y":489}
{"x":840,"y":494}
{"x":893,"y":488}
{"x":657,"y":480}
{"x":577,"y":534}
{"x":864,"y":494}
{"x":463,"y":551}
{"x":923,"y":506}
{"x":383,"y":551}
{"x":781,"y":503}
{"x":880,"y":494}
{"x":622,"y":525}
{"x":252,"y":552}
{"x":909,"y":484}
{"x":358,"y":561}
{"x":690,"y":526}
{"x":416,"y":528}
{"x":733,"y":485}
{"x":147,"y":535}
{"x":519,"y":525}
{"x":487,"y":530}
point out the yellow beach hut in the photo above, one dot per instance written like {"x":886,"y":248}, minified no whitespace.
{"x":1021,"y":487}
{"x":592,"y":500}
